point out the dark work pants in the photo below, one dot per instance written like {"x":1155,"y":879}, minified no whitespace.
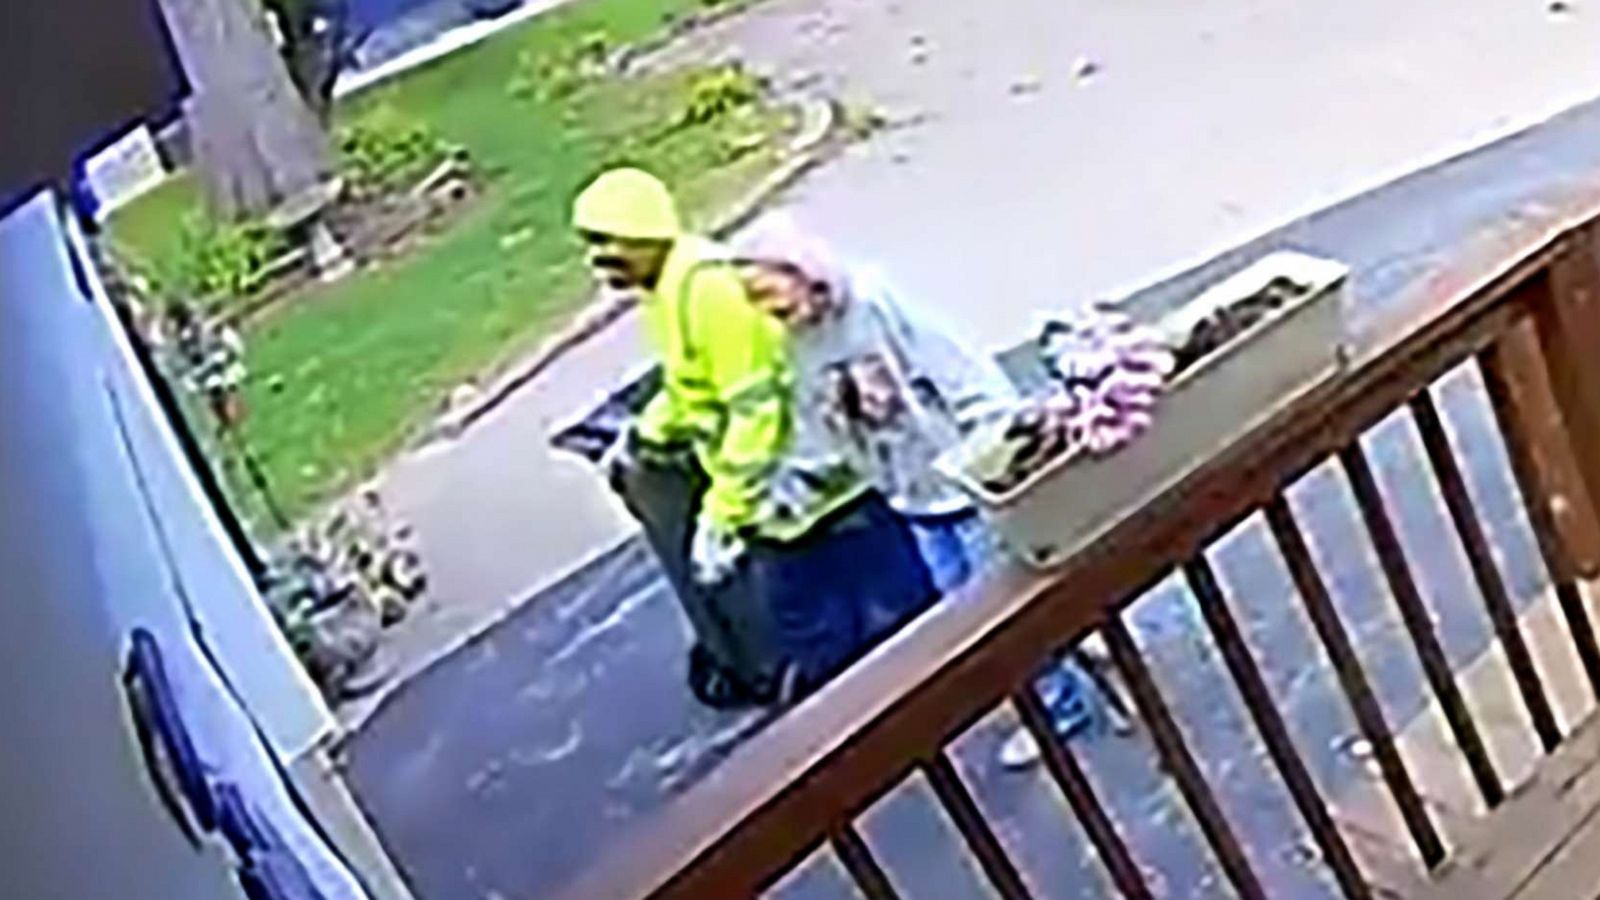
{"x":852,"y":581}
{"x":731,"y":620}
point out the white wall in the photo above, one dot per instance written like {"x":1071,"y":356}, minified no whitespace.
{"x":101,"y":529}
{"x":240,"y":630}
{"x":79,"y":820}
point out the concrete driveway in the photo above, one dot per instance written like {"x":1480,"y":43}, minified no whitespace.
{"x":1024,"y":187}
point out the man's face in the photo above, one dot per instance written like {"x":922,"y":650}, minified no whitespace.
{"x":626,"y":264}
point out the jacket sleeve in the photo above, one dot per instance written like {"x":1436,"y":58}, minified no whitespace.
{"x":968,"y":383}
{"x":659,"y":423}
{"x":746,"y":362}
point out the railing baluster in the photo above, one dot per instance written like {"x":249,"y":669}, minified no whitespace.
{"x":1280,"y":746}
{"x":1175,"y":755}
{"x":858,"y":860}
{"x":1414,"y":613}
{"x":1352,"y":678}
{"x":1508,"y":410}
{"x":957,"y":801}
{"x":1062,"y":765}
{"x":1502,"y":613}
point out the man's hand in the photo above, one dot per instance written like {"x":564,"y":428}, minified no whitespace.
{"x":714,"y":553}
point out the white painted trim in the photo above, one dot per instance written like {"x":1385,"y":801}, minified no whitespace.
{"x":287,"y":748}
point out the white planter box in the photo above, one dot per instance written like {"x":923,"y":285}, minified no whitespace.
{"x":1077,"y":498}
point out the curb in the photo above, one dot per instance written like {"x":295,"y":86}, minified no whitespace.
{"x":820,"y":119}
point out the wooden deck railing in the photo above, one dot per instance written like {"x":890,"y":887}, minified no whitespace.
{"x":1532,"y":327}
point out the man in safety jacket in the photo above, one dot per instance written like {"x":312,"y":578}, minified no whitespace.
{"x":775,"y":491}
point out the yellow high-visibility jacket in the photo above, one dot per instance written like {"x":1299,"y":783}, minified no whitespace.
{"x":727,"y":391}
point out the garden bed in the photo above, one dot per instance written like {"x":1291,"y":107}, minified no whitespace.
{"x":340,"y":374}
{"x":374,"y":230}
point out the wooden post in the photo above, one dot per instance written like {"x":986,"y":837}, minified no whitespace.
{"x":1552,"y":469}
{"x":1523,"y":452}
{"x":1566,"y":319}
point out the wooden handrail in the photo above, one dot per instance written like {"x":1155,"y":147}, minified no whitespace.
{"x":797,"y":785}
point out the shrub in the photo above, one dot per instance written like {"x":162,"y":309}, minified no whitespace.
{"x":215,"y":260}
{"x":550,"y":77}
{"x":386,"y":149}
{"x":719,"y":91}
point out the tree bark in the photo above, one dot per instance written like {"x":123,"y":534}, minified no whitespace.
{"x":256,"y":143}
{"x":314,"y":47}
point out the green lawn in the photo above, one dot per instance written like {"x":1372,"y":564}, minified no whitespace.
{"x":342,"y":374}
{"x":148,"y":227}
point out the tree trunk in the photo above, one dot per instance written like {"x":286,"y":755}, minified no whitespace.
{"x":256,"y":143}
{"x":314,"y":47}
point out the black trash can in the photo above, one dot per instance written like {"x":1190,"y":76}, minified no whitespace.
{"x":734,"y":661}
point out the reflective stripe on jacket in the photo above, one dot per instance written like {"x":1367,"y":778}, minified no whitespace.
{"x":727,"y":391}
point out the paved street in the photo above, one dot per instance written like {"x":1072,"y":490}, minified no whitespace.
{"x":510,"y":766}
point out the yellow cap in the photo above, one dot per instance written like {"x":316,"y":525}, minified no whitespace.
{"x":627,"y":203}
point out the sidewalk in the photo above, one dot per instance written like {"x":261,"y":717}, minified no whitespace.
{"x":1017,"y":186}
